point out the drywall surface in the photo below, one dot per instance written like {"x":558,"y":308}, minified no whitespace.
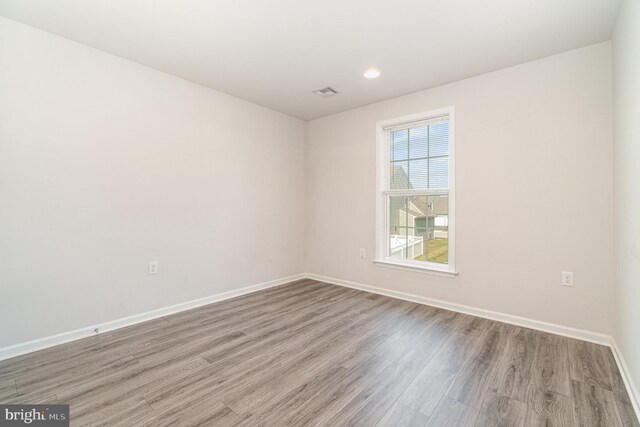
{"x":106,"y":164}
{"x":626,"y":131}
{"x":534,"y":191}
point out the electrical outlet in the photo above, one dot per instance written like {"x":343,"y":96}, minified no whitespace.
{"x":362,"y":253}
{"x":153,"y":267}
{"x":567,"y":278}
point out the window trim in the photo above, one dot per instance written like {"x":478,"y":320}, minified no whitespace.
{"x":382,"y":170}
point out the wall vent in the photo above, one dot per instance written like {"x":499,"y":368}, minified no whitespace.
{"x":326,"y":92}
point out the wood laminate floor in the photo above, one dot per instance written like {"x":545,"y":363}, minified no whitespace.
{"x":310,"y":353}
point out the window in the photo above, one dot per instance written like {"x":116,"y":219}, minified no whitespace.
{"x":415,"y":217}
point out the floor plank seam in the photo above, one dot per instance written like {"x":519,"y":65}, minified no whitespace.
{"x":231,"y":409}
{"x":148,"y":404}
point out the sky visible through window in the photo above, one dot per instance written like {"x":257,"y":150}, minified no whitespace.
{"x":420,"y":157}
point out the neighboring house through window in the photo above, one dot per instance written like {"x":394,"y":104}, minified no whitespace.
{"x":415,"y":191}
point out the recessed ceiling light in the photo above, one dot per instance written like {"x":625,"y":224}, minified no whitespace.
{"x":372,"y":73}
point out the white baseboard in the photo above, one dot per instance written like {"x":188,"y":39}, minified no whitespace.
{"x":630,"y":385}
{"x":566,"y":331}
{"x":50,"y":341}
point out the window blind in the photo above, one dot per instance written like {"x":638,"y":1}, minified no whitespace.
{"x":419,"y":155}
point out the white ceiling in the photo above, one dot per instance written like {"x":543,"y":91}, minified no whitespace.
{"x":276,"y":52}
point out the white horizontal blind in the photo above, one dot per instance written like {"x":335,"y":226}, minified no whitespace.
{"x":419,"y":155}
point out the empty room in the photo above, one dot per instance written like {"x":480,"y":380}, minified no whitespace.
{"x":320,"y":213}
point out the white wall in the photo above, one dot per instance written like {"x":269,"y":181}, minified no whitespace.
{"x":534,"y":191}
{"x":105,"y":164}
{"x":626,"y":109}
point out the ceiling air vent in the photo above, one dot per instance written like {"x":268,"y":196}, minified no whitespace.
{"x":326,"y":92}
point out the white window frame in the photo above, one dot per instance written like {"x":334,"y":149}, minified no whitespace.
{"x":382,"y":192}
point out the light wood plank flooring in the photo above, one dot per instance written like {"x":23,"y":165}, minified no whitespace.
{"x":310,"y":353}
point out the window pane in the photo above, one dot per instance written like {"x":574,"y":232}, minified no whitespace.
{"x":438,"y":230}
{"x":398,"y":242}
{"x":397,"y":212}
{"x":439,"y":172}
{"x":418,"y":142}
{"x":399,"y":179}
{"x":415,"y":244}
{"x":419,"y":228}
{"x":419,"y":177}
{"x":439,"y":139}
{"x":422,"y":232}
{"x":400,"y":144}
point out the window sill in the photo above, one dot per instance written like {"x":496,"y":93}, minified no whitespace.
{"x":436,"y":271}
